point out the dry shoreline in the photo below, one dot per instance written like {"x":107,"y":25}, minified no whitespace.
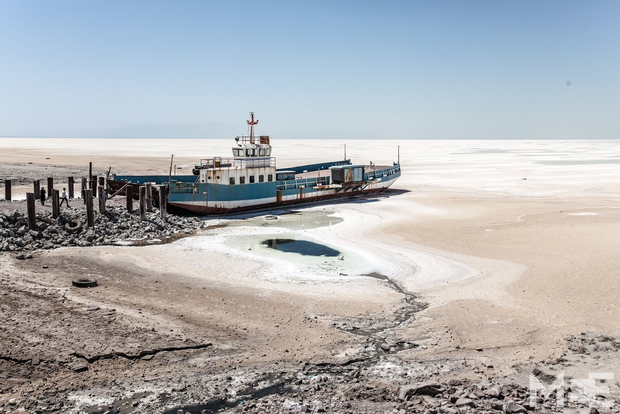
{"x":477,"y":286}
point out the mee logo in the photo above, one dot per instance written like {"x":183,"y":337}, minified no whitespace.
{"x":581,"y":390}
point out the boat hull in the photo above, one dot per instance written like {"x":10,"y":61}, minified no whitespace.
{"x":208,"y":210}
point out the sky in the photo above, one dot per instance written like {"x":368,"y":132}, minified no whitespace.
{"x":340,"y":69}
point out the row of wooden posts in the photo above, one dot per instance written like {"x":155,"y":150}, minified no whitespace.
{"x":145,"y":193}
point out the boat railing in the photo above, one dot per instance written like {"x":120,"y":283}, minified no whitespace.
{"x":220,"y":163}
{"x":384,"y":172}
{"x":303,"y":182}
{"x":256,"y":139}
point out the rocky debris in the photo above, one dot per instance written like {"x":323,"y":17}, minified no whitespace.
{"x":512,"y":407}
{"x":115,"y":226}
{"x":431,"y":389}
{"x":588,"y":343}
{"x":339,"y":393}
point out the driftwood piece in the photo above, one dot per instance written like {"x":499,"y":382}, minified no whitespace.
{"x":120,"y":190}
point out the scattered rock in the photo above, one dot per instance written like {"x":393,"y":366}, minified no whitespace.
{"x":494,"y":392}
{"x":512,"y":407}
{"x":431,"y":389}
{"x":462,"y":402}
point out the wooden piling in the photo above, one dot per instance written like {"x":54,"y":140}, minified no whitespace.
{"x":70,"y":182}
{"x":129,"y":195}
{"x":90,"y":172}
{"x":90,"y":213}
{"x":142,"y":203}
{"x":37,"y":188}
{"x":101,"y":200}
{"x":102,"y":187}
{"x":149,"y":197}
{"x":32,"y":218}
{"x":84,"y":189}
{"x":7,"y":190}
{"x":162,"y":201}
{"x":50,"y":186}
{"x":93,"y":185}
{"x":55,"y":204}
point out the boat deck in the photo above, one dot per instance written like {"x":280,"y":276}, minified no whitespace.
{"x":326,"y":173}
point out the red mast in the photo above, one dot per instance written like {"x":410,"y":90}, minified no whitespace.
{"x":251,"y":124}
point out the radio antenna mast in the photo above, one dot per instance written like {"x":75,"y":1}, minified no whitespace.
{"x":251,"y":124}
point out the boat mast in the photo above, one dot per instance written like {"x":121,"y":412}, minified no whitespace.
{"x":251,"y":124}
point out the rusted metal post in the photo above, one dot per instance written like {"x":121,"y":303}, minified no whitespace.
{"x":84,"y":189}
{"x":70,"y":182}
{"x":129,"y":196}
{"x":101,"y":200}
{"x":7,"y":190}
{"x":37,"y":188}
{"x":142,"y":202}
{"x":55,"y":204}
{"x":149,"y":197}
{"x":90,"y":213}
{"x":50,"y":186}
{"x":162,"y":201}
{"x":32,"y":218}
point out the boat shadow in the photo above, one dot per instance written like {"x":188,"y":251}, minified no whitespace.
{"x":373,"y":198}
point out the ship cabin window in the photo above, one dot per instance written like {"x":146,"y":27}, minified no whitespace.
{"x":232,"y":180}
{"x":270,"y":177}
{"x":238,"y":152}
{"x":241,"y":180}
{"x":261,"y":152}
{"x":247,"y":152}
{"x":261,"y":178}
{"x":251,"y":178}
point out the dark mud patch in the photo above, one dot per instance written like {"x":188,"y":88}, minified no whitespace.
{"x":303,"y":247}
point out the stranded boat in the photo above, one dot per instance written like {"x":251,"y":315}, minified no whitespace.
{"x":250,"y":180}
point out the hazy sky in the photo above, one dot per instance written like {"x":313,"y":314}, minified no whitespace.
{"x":427,"y":69}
